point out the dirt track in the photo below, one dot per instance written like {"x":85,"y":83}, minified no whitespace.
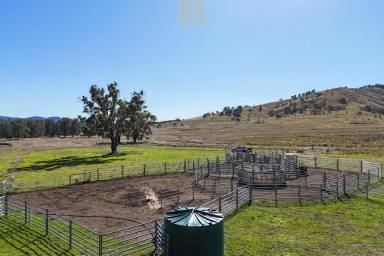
{"x":132,"y":200}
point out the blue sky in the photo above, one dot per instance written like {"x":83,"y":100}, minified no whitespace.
{"x":246,"y":52}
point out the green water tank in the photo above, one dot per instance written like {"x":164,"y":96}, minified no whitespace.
{"x":194,"y":231}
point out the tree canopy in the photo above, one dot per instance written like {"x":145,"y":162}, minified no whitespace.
{"x":113,"y":117}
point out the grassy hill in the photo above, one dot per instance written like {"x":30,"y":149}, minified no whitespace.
{"x":340,"y":117}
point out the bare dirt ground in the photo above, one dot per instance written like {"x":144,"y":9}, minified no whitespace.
{"x":110,"y":205}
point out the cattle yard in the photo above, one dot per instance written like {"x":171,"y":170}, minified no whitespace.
{"x":123,"y":215}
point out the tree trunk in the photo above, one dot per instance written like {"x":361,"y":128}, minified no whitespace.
{"x":114,"y":142}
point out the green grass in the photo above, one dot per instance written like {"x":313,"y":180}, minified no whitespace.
{"x":17,"y":239}
{"x":52,"y":167}
{"x":352,"y":227}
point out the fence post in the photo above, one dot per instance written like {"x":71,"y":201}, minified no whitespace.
{"x":219,"y":203}
{"x":198,"y":163}
{"x":358,"y":180}
{"x":70,"y":234}
{"x":275,"y":188}
{"x":250,"y":191}
{"x":299,"y":194}
{"x":25,"y":213}
{"x":233,"y":170}
{"x":100,"y":245}
{"x":98,"y":174}
{"x":165,"y":167}
{"x":193,"y":192}
{"x":6,"y":206}
{"x":208,"y":166}
{"x":337,"y":187}
{"x":193,"y":165}
{"x":144,"y":169}
{"x":361,"y":166}
{"x":321,"y":193}
{"x":122,"y":171}
{"x":237,"y":198}
{"x":324,"y":179}
{"x":337,"y":164}
{"x":178,"y":195}
{"x":70,"y":179}
{"x":46,"y":221}
{"x":315,"y":162}
{"x":185,"y":165}
{"x":369,"y":178}
{"x":344,"y":185}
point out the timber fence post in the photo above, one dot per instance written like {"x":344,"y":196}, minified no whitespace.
{"x":165,"y":168}
{"x":321,"y":193}
{"x":337,"y":164}
{"x":122,"y":171}
{"x":344,"y":185}
{"x":144,"y":170}
{"x":220,"y":204}
{"x":237,"y":198}
{"x":98,"y":174}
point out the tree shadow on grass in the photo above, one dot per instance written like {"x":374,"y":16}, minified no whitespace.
{"x":28,"y":241}
{"x":70,"y":161}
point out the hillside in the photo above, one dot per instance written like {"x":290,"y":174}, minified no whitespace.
{"x":339,"y":117}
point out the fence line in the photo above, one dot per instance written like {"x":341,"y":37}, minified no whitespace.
{"x":108,"y":173}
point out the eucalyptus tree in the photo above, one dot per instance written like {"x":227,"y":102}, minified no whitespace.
{"x":108,"y":113}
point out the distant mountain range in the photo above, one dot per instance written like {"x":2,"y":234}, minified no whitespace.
{"x":54,"y":118}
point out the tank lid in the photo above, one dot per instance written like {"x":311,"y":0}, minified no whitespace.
{"x":193,"y":216}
